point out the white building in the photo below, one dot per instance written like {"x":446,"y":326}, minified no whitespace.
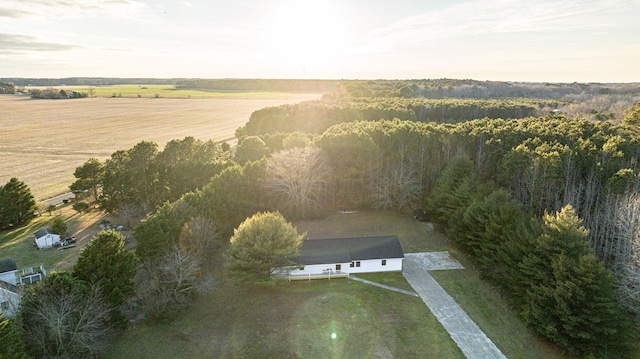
{"x":326,"y":258}
{"x":9,"y":297}
{"x":45,"y":239}
{"x":12,"y":281}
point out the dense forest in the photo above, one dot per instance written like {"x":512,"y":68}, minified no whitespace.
{"x":545,"y":201}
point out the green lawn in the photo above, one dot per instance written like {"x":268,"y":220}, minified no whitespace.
{"x":485,"y":306}
{"x":295,"y":320}
{"x":17,"y":243}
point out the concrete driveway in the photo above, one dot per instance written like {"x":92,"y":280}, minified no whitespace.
{"x":464,"y":331}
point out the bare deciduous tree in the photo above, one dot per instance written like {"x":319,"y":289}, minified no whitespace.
{"x":204,"y":234}
{"x":172,"y":282}
{"x":626,"y":249}
{"x":297,"y":179}
{"x":66,"y":323}
{"x":398,"y":186}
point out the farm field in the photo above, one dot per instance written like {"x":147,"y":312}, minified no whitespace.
{"x":43,"y":141}
{"x":163,"y":91}
{"x":296,"y":319}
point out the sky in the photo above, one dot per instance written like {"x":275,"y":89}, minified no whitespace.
{"x":502,"y":40}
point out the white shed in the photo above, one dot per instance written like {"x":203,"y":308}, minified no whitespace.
{"x":45,"y":239}
{"x":321,"y":258}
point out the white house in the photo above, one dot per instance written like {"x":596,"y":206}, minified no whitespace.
{"x":8,"y":270}
{"x":339,"y":257}
{"x":9,"y":297}
{"x":9,"y":300}
{"x":45,"y":239}
{"x":12,"y":281}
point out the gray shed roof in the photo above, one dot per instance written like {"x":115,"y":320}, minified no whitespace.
{"x":344,"y":250}
{"x":7,"y":265}
{"x":41,"y":232}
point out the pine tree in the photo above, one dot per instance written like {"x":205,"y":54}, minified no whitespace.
{"x":262,"y":244}
{"x":569,"y":295}
{"x":17,"y":206}
{"x":106,"y":263}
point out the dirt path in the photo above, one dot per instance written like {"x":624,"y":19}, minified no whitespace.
{"x":464,"y":331}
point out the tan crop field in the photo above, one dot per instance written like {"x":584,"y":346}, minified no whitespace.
{"x":43,"y":141}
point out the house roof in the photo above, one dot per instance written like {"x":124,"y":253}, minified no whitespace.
{"x":7,"y":265}
{"x":42,"y":232}
{"x":344,"y":250}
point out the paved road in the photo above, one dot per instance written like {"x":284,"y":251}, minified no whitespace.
{"x":464,"y":331}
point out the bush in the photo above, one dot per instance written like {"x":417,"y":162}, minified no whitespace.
{"x":81,"y":207}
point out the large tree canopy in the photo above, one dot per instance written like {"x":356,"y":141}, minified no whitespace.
{"x":106,"y":263}
{"x":63,"y":317}
{"x":262,"y":245}
{"x":17,"y":206}
{"x":88,"y":176}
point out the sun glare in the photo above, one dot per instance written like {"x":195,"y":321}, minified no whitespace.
{"x":308,"y":33}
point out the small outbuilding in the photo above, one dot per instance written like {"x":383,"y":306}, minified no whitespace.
{"x":8,"y":269}
{"x":44,"y":238}
{"x":339,"y":257}
{"x":12,"y":280}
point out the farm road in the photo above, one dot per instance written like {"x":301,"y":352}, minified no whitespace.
{"x":464,"y":331}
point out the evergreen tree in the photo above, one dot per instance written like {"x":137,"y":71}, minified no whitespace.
{"x":89,"y":176}
{"x":106,"y":263}
{"x":59,"y":226}
{"x":12,"y":345}
{"x":444,"y":201}
{"x":569,"y":295}
{"x":17,"y":206}
{"x":262,"y":245}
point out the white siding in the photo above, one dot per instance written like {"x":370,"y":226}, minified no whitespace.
{"x":47,"y":241}
{"x":375,"y":265}
{"x":366,"y":266}
{"x":9,"y":277}
{"x":9,"y":302}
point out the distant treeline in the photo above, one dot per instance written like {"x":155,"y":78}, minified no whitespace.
{"x":323,"y":86}
{"x":53,"y":94}
{"x":6,"y":88}
{"x":86,"y":81}
{"x":452,"y":88}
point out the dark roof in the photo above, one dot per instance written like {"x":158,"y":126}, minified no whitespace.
{"x":344,"y":250}
{"x":7,"y":265}
{"x":41,"y":232}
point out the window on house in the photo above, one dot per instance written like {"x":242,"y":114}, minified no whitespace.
{"x":353,"y":264}
{"x":338,"y":266}
{"x":384,"y":262}
{"x":358,"y":264}
{"x":301,"y":268}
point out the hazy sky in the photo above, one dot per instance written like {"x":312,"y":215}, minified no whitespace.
{"x":533,"y":40}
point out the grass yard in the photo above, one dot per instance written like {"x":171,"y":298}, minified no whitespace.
{"x":297,"y":319}
{"x":484,"y":305}
{"x":17,"y":243}
{"x":43,"y":141}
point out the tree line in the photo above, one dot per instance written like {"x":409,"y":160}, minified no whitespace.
{"x":317,"y":116}
{"x":277,"y":85}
